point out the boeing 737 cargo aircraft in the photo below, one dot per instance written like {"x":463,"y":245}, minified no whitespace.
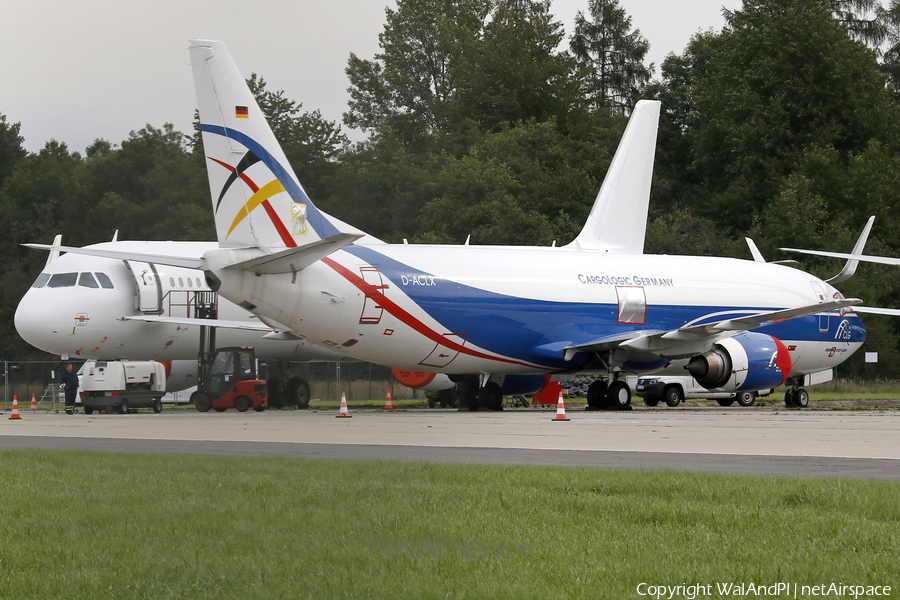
{"x":597,"y":305}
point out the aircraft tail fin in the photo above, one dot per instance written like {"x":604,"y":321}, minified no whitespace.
{"x":257,"y":199}
{"x":618,"y":219}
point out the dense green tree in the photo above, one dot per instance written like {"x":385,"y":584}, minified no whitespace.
{"x":11,"y":149}
{"x":613,"y":55}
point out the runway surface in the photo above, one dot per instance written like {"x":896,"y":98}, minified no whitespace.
{"x":851,"y":444}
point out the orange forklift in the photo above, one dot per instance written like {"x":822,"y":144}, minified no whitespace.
{"x":228,"y":380}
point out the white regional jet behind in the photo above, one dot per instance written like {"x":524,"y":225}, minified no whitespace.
{"x":500,"y":314}
{"x":86,"y":307}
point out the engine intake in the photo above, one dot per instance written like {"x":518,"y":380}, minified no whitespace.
{"x":749,"y":361}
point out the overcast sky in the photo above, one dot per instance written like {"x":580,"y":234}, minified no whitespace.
{"x":76,"y":71}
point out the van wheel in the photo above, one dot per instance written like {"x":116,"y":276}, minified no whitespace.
{"x":242,"y":403}
{"x":673,"y":396}
{"x":88,"y":410}
{"x":651,"y":401}
{"x":746,"y":398}
{"x":157,"y":405}
{"x":123,"y":407}
{"x":725,"y":401}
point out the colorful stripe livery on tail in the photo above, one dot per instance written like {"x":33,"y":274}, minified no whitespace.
{"x":257,"y":199}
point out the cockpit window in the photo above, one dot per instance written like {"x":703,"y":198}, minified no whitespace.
{"x":63,"y":280}
{"x":87,"y":280}
{"x":41,"y":280}
{"x":105,"y":282}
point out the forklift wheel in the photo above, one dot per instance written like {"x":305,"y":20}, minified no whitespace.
{"x":202,"y":402}
{"x":242,"y":403}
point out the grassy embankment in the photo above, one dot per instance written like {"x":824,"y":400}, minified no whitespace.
{"x":95,"y":525}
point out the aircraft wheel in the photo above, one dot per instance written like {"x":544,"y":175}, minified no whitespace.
{"x":596,"y":394}
{"x":619,"y":395}
{"x":157,"y":405}
{"x":789,"y":397}
{"x":275,"y":390}
{"x":491,"y":396}
{"x":673,"y":396}
{"x":431,"y":402}
{"x":651,"y":401}
{"x":202,"y":401}
{"x":746,"y":398}
{"x":801,"y":398}
{"x":88,"y":410}
{"x":725,"y":401}
{"x":296,"y":393}
{"x":242,"y":403}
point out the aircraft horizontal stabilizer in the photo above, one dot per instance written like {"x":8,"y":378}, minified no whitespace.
{"x":158,"y":259}
{"x":187,"y":321}
{"x":689,"y":341}
{"x":295,"y":259}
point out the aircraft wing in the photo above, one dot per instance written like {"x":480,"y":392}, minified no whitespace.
{"x":159,"y":259}
{"x":884,"y":260}
{"x":696,"y":339}
{"x":874,"y":310}
{"x":225,"y":324}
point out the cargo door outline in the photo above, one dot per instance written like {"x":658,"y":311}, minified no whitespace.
{"x":632,"y":301}
{"x":443,"y":355}
{"x":824,"y":319}
{"x":372,"y":311}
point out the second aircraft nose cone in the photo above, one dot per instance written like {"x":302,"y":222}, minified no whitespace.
{"x":38,"y":321}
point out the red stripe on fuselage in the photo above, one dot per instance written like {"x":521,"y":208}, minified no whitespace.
{"x":394,"y":309}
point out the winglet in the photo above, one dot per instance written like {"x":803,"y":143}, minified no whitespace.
{"x":850,"y":267}
{"x":618,"y":219}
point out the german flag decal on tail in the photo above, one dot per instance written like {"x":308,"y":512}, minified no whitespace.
{"x":240,"y":112}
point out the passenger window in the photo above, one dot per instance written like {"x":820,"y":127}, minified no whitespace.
{"x":181,"y":283}
{"x":198,"y":282}
{"x":190,"y":283}
{"x":87,"y":280}
{"x":41,"y":280}
{"x":105,"y":282}
{"x":171,"y":282}
{"x":63,"y":280}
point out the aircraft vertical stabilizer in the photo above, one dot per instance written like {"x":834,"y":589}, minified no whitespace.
{"x":257,"y":199}
{"x":618,"y":219}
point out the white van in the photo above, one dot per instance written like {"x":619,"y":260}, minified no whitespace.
{"x":674,"y":389}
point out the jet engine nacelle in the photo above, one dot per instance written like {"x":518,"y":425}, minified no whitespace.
{"x":523,"y":385}
{"x":180,"y":374}
{"x":419,"y":380}
{"x":749,"y":361}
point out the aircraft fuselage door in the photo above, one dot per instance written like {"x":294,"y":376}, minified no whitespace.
{"x":148,"y":296}
{"x":820,"y":298}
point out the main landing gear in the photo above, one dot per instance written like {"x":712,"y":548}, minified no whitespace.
{"x":796,"y":397}
{"x":615,"y":395}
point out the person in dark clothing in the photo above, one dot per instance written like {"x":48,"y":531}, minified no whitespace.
{"x":70,"y":382}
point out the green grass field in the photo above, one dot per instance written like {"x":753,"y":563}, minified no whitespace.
{"x":96,"y":525}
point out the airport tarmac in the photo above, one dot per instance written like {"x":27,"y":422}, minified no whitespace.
{"x":856,"y":444}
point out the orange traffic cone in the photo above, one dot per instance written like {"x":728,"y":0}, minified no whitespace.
{"x":33,"y":404}
{"x":15,"y":410}
{"x":560,"y":409}
{"x":344,"y":412}
{"x":387,"y":402}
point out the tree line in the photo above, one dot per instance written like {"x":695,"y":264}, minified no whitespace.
{"x":485,"y":119}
